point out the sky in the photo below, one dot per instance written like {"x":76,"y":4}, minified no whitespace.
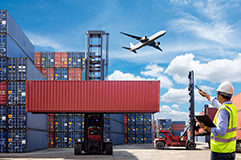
{"x":201,"y":35}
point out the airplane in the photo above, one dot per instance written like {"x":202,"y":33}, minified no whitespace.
{"x":145,"y":41}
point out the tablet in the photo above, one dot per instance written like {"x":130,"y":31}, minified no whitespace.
{"x":206,"y":120}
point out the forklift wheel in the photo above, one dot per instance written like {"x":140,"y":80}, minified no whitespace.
{"x":191,"y":145}
{"x":109,"y":149}
{"x":77,"y":149}
{"x":160,"y":145}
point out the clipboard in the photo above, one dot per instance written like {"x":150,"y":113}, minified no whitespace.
{"x":206,"y":120}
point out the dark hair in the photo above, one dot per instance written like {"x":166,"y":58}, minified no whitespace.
{"x":225,"y":96}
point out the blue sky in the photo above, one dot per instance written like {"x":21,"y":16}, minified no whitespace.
{"x":202,"y":35}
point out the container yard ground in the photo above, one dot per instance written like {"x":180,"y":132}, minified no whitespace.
{"x":121,"y":152}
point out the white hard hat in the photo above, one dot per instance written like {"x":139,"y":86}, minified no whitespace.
{"x":226,"y":88}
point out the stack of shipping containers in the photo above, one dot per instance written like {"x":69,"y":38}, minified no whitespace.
{"x":19,"y":131}
{"x":64,"y":129}
{"x":138,"y":128}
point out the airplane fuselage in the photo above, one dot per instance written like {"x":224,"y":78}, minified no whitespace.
{"x":148,"y":41}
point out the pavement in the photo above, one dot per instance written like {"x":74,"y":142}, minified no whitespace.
{"x":120,"y":152}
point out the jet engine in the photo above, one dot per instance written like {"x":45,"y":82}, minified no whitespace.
{"x":157,"y":44}
{"x":144,"y":37}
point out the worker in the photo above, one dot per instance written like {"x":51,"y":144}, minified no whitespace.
{"x":223,"y":136}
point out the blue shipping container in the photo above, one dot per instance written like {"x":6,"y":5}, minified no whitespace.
{"x":178,"y":122}
{"x":75,"y":59}
{"x":3,"y":69}
{"x":17,"y":69}
{"x":117,"y":117}
{"x":3,"y":117}
{"x":3,"y":140}
{"x":10,"y":28}
{"x":117,"y":138}
{"x":16,"y":93}
{"x":47,"y":59}
{"x":61,"y":122}
{"x":116,"y":126}
{"x":61,"y":139}
{"x":61,"y":74}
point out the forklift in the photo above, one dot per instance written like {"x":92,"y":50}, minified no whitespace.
{"x":93,"y":136}
{"x":169,"y":139}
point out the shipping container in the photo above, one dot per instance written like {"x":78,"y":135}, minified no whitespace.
{"x":77,"y":96}
{"x":239,"y":121}
{"x":48,"y":73}
{"x":3,"y":117}
{"x":47,"y":59}
{"x":9,"y":48}
{"x":116,"y":126}
{"x":75,"y":59}
{"x":164,"y":124}
{"x":74,"y":74}
{"x":9,"y":27}
{"x":3,"y":140}
{"x":61,"y":59}
{"x":125,"y":119}
{"x":17,"y":69}
{"x":117,"y":138}
{"x":61,"y":122}
{"x":16,"y":93}
{"x":61,"y":139}
{"x":51,"y":139}
{"x":3,"y":69}
{"x":211,"y":112}
{"x":26,"y":140}
{"x":18,"y":118}
{"x":37,"y":59}
{"x":3,"y":93}
{"x":61,"y":74}
{"x":21,"y":69}
{"x":237,"y":101}
{"x":51,"y":122}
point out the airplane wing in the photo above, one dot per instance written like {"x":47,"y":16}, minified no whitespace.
{"x":132,"y":36}
{"x":153,"y":44}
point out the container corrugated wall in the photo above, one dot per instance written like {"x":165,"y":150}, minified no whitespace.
{"x":92,"y":96}
{"x":237,"y":102}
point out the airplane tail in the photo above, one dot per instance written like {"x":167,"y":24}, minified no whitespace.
{"x":131,"y":45}
{"x":129,"y":49}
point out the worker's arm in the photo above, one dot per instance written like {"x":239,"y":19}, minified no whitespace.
{"x":213,"y":100}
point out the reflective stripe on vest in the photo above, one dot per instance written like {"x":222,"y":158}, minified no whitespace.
{"x":226,"y":143}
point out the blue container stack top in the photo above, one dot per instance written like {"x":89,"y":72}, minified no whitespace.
{"x":19,"y":131}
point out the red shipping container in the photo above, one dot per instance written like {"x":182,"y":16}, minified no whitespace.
{"x":51,"y":122}
{"x":239,"y":120}
{"x":211,"y":112}
{"x":51,"y":139}
{"x":48,"y":73}
{"x":125,"y":119}
{"x":3,"y":93}
{"x":92,"y":96}
{"x":237,"y":101}
{"x":125,"y":139}
{"x":74,"y":74}
{"x":37,"y":59}
{"x":125,"y":129}
{"x":61,"y":59}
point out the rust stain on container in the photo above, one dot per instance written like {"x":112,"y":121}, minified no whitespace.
{"x":92,"y":96}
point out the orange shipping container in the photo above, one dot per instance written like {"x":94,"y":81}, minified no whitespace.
{"x":239,"y":121}
{"x":92,"y":96}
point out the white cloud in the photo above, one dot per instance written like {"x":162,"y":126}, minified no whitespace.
{"x":169,"y":113}
{"x":153,"y":70}
{"x":166,"y":112}
{"x":213,"y":71}
{"x":176,"y":95}
{"x":156,"y":71}
{"x":175,"y":106}
{"x":118,"y":75}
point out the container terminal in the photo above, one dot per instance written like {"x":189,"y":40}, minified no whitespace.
{"x":63,"y":100}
